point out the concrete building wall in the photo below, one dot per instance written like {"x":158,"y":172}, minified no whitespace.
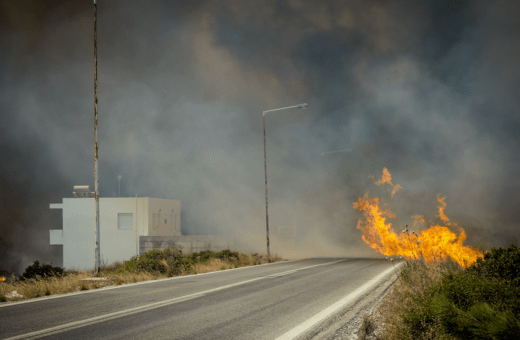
{"x":130,"y":226}
{"x":193,"y":243}
{"x":121,"y":222}
{"x":164,"y":216}
{"x":188,"y":243}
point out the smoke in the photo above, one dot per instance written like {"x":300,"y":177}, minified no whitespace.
{"x":427,"y":90}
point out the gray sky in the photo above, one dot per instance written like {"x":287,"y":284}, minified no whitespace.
{"x":427,"y":89}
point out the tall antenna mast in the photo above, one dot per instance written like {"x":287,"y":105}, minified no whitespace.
{"x":96,"y":181}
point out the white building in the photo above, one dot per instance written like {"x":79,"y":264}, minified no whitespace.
{"x":122,"y":220}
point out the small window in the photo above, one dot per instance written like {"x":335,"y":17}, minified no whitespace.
{"x":165,"y":221}
{"x":125,"y":221}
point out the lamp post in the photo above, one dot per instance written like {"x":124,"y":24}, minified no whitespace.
{"x":299,"y":106}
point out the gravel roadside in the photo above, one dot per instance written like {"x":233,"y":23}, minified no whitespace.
{"x":347,"y":324}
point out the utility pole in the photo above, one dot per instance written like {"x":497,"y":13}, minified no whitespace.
{"x":96,"y":181}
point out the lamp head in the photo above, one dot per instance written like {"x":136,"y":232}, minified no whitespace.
{"x":302,"y":106}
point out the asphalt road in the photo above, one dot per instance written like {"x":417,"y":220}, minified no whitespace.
{"x":274,"y":301}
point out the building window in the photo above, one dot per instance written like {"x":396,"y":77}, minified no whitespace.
{"x":125,"y":221}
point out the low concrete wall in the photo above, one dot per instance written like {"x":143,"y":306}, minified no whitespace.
{"x":188,"y":243}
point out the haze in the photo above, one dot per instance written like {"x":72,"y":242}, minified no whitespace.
{"x":427,"y":89}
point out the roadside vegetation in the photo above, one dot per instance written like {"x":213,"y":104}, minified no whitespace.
{"x":41,"y":280}
{"x":442,"y":300}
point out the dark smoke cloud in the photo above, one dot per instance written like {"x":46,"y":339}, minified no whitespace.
{"x":427,"y":89}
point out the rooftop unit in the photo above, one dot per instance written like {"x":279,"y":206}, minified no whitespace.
{"x":82,"y":191}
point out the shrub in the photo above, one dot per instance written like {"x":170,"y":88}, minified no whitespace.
{"x":469,"y":304}
{"x":502,"y":263}
{"x":227,"y":254}
{"x":480,"y":321}
{"x":130,"y":265}
{"x":172,"y":262}
{"x":35,"y":270}
{"x":167,"y":261}
{"x":202,"y":256}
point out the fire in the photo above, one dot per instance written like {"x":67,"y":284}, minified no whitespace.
{"x":442,"y":205}
{"x":2,"y":278}
{"x":435,"y":243}
{"x":387,"y":178}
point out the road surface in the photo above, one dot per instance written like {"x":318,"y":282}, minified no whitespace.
{"x":283,"y":300}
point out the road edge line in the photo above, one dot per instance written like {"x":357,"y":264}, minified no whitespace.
{"x":102,"y":289}
{"x":134,"y":310}
{"x":327,"y":312}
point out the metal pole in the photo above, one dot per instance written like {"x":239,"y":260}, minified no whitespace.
{"x":266,"y":210}
{"x":96,"y":181}
{"x":299,"y":106}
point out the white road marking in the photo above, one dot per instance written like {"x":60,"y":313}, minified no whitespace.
{"x":324,"y":314}
{"x":57,"y":296}
{"x":110,"y":316}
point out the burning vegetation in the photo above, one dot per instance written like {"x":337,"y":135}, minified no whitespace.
{"x":437,"y":242}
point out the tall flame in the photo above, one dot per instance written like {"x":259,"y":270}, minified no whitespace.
{"x":435,"y":243}
{"x":442,"y":205}
{"x":387,"y":178}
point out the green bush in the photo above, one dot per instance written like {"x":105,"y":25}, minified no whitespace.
{"x":204,"y":255}
{"x":227,"y":254}
{"x":176,"y":262}
{"x":130,"y":265}
{"x":470,"y":306}
{"x":502,"y":263}
{"x":480,"y":321}
{"x":35,"y":270}
{"x":479,"y":302}
{"x":155,"y":260}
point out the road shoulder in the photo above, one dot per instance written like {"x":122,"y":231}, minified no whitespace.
{"x":346,"y":324}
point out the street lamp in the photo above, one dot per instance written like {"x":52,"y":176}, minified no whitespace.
{"x":299,"y":106}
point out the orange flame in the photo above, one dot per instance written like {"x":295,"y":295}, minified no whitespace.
{"x":387,"y":178}
{"x":2,"y":279}
{"x":441,"y":215}
{"x":434,"y":243}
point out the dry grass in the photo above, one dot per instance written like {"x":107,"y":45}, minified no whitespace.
{"x":211,"y":266}
{"x":73,"y":282}
{"x":244,"y":260}
{"x":113,"y":274}
{"x":416,"y":276}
